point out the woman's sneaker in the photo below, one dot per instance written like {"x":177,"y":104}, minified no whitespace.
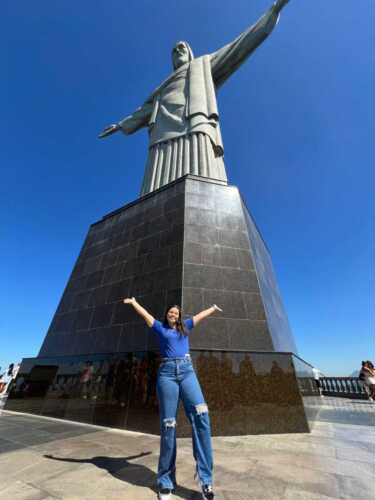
{"x":165,"y":494}
{"x":207,"y":492}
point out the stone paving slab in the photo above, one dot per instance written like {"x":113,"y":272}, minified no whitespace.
{"x":46,"y":459}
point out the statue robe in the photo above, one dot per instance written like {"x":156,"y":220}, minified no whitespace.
{"x":182,"y":115}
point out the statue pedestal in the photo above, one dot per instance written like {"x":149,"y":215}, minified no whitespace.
{"x":193,"y":243}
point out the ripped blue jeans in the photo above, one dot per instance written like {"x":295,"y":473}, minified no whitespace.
{"x":177,"y":380}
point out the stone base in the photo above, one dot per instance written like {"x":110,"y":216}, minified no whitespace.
{"x":192,"y":242}
{"x":246,"y":392}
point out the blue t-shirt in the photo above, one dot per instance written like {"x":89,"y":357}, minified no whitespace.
{"x":173,"y":344}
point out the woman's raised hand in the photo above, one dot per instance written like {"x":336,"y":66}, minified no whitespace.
{"x":129,"y":300}
{"x":217,"y":308}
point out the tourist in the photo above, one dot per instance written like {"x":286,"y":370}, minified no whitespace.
{"x":369,"y":370}
{"x":86,"y":379}
{"x":2,"y":383}
{"x":362,"y":377}
{"x":316,"y":374}
{"x":177,"y":378}
{"x":9,"y":377}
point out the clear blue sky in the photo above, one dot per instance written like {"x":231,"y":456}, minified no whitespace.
{"x":298,"y":127}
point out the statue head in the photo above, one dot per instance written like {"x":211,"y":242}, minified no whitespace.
{"x":181,"y":54}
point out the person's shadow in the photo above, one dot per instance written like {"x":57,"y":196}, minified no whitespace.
{"x":134,"y":473}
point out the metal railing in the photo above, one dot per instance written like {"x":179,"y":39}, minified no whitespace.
{"x":347,"y":387}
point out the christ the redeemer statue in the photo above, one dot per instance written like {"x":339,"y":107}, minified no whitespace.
{"x":182,"y":115}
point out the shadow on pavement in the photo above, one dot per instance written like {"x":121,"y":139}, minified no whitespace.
{"x":121,"y":468}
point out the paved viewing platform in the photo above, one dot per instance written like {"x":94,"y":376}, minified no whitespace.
{"x":42,"y":458}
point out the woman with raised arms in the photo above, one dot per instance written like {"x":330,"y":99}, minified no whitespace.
{"x":177,"y":380}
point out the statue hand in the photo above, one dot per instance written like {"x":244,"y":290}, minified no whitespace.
{"x":279,"y":4}
{"x":111,"y":129}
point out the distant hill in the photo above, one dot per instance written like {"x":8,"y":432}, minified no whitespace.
{"x":354,"y":374}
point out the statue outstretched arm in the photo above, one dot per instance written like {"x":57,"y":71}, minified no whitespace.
{"x":131,"y":123}
{"x":229,"y":58}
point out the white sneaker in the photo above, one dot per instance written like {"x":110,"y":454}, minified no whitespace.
{"x":165,"y":494}
{"x":207,"y":492}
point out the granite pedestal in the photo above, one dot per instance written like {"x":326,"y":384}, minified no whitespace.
{"x":193,"y":243}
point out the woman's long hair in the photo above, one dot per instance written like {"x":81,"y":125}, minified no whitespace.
{"x":179,"y":324}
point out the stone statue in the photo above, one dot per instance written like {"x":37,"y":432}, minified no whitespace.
{"x":182,"y":115}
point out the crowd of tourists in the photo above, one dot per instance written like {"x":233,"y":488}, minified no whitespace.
{"x":7,"y":378}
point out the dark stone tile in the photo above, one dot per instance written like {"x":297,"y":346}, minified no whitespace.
{"x":112,"y":274}
{"x":64,"y":323}
{"x":94,"y":279}
{"x":199,"y":201}
{"x":127,"y":252}
{"x":210,"y":334}
{"x":123,"y":314}
{"x":192,"y":215}
{"x":106,"y":339}
{"x":77,"y":285}
{"x":172,"y":236}
{"x":245,"y":260}
{"x":201,"y":234}
{"x":148,"y":245}
{"x":229,"y":202}
{"x":109,"y":259}
{"x":95,"y":250}
{"x":233,"y":238}
{"x":99,"y":296}
{"x":233,"y":305}
{"x":238,"y":279}
{"x":102,"y":316}
{"x":211,"y":255}
{"x":174,"y":277}
{"x":211,"y":297}
{"x":139,"y":232}
{"x":192,"y":186}
{"x":83,"y":319}
{"x":173,"y":297}
{"x":154,"y":303}
{"x":201,"y":217}
{"x":158,"y":259}
{"x":142,"y":284}
{"x":229,"y":221}
{"x":119,"y":291}
{"x":174,"y":218}
{"x":92,"y":265}
{"x":202,"y":277}
{"x":252,"y":335}
{"x":192,"y":252}
{"x":153,"y":342}
{"x":155,"y":211}
{"x":176,"y":254}
{"x":160,"y":280}
{"x":254,"y":306}
{"x":141,"y":335}
{"x":78,"y":269}
{"x":193,"y":301}
{"x":81,"y":300}
{"x":66,"y":303}
{"x":174,"y":203}
{"x":229,"y":257}
{"x":207,"y":218}
{"x":126,"y":341}
{"x":133,"y":267}
{"x":158,"y":224}
{"x":118,"y":240}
